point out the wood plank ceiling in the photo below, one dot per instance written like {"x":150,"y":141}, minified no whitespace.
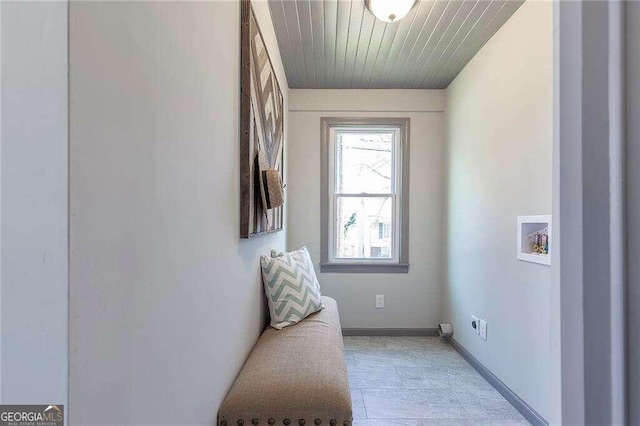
{"x":339,"y":44}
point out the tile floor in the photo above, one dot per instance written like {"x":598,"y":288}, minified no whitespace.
{"x":420,"y":381}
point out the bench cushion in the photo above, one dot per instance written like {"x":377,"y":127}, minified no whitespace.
{"x":297,"y":373}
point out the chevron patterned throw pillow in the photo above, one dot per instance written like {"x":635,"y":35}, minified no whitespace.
{"x":291,"y":286}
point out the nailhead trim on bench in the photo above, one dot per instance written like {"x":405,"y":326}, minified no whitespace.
{"x":286,"y":422}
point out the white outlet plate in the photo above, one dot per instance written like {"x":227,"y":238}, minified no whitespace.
{"x":483,"y":329}
{"x":380,"y":301}
{"x":477,"y":329}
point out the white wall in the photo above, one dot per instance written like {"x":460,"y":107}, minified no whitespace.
{"x":165,"y":300}
{"x":34,"y":203}
{"x":412,"y":300}
{"x":500,"y":132}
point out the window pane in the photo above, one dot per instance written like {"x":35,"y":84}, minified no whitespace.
{"x":364,"y":162}
{"x":364,"y":227}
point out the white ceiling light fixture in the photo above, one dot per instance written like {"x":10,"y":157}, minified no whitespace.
{"x":390,"y":10}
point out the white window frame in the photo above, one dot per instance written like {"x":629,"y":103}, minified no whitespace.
{"x":395,"y":194}
{"x":399,"y":262}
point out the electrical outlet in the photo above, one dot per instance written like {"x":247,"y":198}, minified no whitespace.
{"x":474,"y":324}
{"x":483,"y":329}
{"x":380,"y":301}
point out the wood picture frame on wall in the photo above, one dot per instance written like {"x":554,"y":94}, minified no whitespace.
{"x":261,"y":128}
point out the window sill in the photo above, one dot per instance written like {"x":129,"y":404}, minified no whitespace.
{"x":365,"y":268}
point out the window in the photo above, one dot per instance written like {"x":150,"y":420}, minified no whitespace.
{"x":384,"y":230}
{"x":364,"y":189}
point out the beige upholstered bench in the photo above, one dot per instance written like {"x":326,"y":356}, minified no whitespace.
{"x":294,"y":376}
